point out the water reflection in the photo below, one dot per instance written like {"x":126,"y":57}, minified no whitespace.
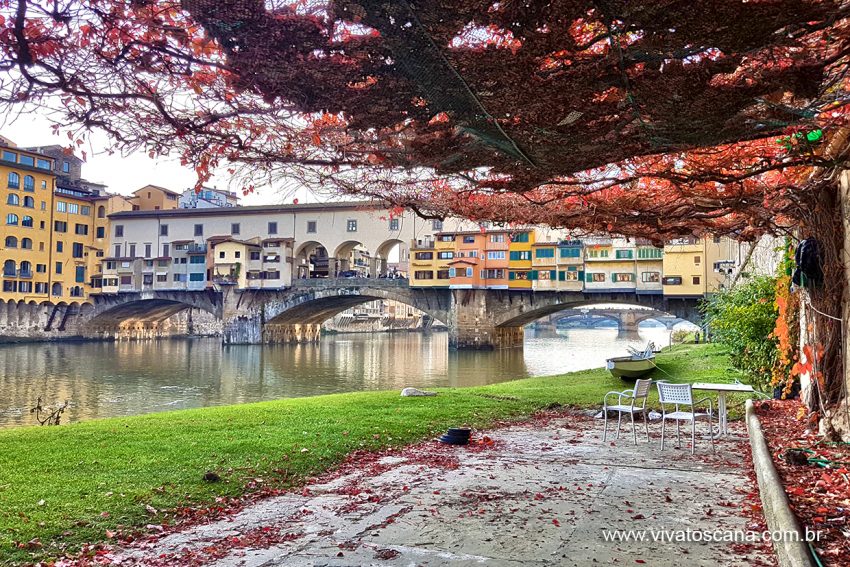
{"x":112,"y":379}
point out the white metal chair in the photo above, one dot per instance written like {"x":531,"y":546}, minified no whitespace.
{"x":683,"y":395}
{"x":637,"y":395}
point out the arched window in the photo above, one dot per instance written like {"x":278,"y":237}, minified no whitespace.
{"x":27,"y":221}
{"x":101,"y":212}
{"x":76,"y":291}
{"x":29,"y":183}
{"x":26,"y":243}
{"x":13,"y":199}
{"x":29,"y":202}
{"x":11,"y":242}
{"x":26,"y":268}
{"x":9,"y":268}
{"x":11,"y":218}
{"x":14,"y":180}
{"x":56,"y":289}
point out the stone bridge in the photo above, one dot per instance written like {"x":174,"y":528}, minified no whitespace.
{"x":627,"y":319}
{"x":477,"y":318}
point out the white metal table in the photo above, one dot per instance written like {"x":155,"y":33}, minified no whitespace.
{"x":722,"y":390}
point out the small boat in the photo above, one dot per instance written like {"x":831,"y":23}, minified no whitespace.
{"x":637,"y":364}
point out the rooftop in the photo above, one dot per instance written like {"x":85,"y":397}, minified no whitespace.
{"x":259,"y":210}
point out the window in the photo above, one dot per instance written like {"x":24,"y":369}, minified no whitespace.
{"x":85,"y":210}
{"x":351,"y":225}
{"x":469,"y":240}
{"x":445,"y":255}
{"x":696,"y":280}
{"x":650,"y":277}
{"x":596,"y":253}
{"x":148,"y":250}
{"x":10,"y":156}
{"x":27,"y":160}
{"x":448,"y":238}
{"x":61,"y":206}
{"x":436,"y":224}
{"x":161,"y":278}
{"x":234,"y":228}
{"x":41,"y":288}
{"x":393,"y":224}
{"x":80,"y":274}
{"x":571,"y":275}
{"x":222,"y":254}
{"x":81,"y":229}
{"x":520,"y":237}
{"x":132,"y":252}
{"x":544,"y":253}
{"x":196,"y":277}
{"x":570,"y":252}
{"x":271,"y":275}
{"x":595,"y":278}
{"x":697,"y":260}
{"x":60,"y":246}
{"x":623,"y":254}
{"x":66,"y":167}
{"x":493,"y":274}
{"x":179,"y":277}
{"x":25,"y":287}
{"x":58,"y":267}
{"x":518,"y":275}
{"x":44,"y":205}
{"x":197,"y":259}
{"x":27,"y":221}
{"x":29,"y":183}
{"x":496,"y":255}
{"x":14,"y":180}
{"x":199,"y":230}
{"x":166,"y":249}
{"x":497,"y":238}
{"x":11,"y":242}
{"x":29,"y":202}
{"x":77,"y":250}
{"x":442,"y":274}
{"x":423,"y":275}
{"x":650,"y":253}
{"x":13,"y":199}
{"x":311,"y":226}
{"x":117,"y":250}
{"x":119,"y":230}
{"x":126,"y":280}
{"x":622,"y":278}
{"x":424,"y":255}
{"x":671,"y":280}
{"x":10,"y":286}
{"x":517,"y":255}
{"x":44,"y":184}
{"x":60,"y":226}
{"x":101,"y":212}
{"x":41,"y":268}
{"x":716,"y":240}
{"x":100,"y":232}
{"x":43,"y":164}
{"x":12,"y":218}
{"x":272,"y":228}
{"x":255,"y":255}
{"x":26,"y":243}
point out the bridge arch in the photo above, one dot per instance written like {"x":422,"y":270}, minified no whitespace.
{"x":146,"y":310}
{"x":388,"y":248}
{"x":311,"y":260}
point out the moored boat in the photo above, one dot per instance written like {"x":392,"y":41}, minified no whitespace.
{"x":629,"y":367}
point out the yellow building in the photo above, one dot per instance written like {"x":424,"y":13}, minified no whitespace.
{"x":154,"y":198}
{"x":237,"y":262}
{"x":28,"y":182}
{"x":544,"y":274}
{"x":74,"y":253}
{"x":519,"y":260}
{"x":102,"y":207}
{"x":694,"y":267}
{"x":430,"y":261}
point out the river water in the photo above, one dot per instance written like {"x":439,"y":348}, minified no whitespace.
{"x":106,"y":379}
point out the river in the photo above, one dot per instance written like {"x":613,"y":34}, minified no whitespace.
{"x":106,"y":379}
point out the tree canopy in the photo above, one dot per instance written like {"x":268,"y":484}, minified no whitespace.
{"x":644,"y":117}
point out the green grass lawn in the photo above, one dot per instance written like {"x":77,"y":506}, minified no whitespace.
{"x":67,"y":485}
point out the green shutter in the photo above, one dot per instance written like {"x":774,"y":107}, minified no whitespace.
{"x":581,"y":275}
{"x":552,"y":275}
{"x":588,"y":279}
{"x":511,"y":275}
{"x":562,"y":276}
{"x":532,"y":275}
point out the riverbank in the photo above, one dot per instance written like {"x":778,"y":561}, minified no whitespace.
{"x":62,"y":487}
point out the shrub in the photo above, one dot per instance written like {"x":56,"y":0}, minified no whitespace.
{"x":743,"y":319}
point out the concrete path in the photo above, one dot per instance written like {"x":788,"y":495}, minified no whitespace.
{"x":541,"y":493}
